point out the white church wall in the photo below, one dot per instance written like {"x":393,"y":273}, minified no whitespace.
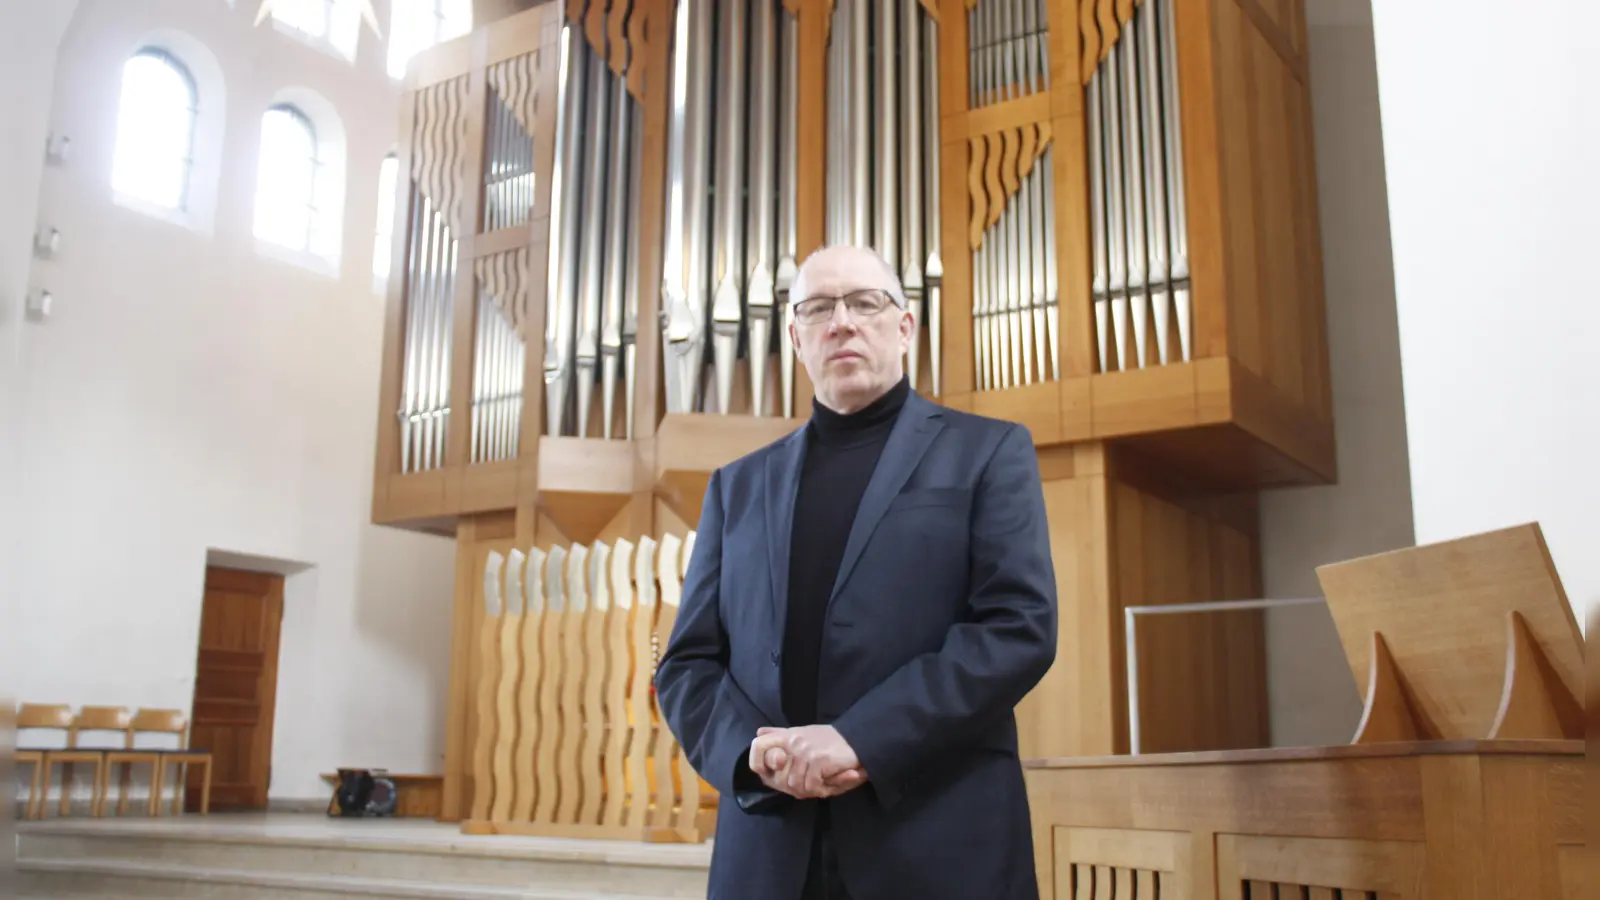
{"x":1493,"y":192}
{"x":1314,"y":698}
{"x":29,"y":36}
{"x":192,"y":393}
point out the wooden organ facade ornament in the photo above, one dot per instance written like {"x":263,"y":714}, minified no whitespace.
{"x":1105,"y":216}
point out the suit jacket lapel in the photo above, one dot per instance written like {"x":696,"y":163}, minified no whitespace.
{"x":783,"y":481}
{"x":914,"y":429}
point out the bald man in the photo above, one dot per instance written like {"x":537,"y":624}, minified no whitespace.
{"x":867,"y":601}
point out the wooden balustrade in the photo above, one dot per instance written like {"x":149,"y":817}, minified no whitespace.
{"x":569,"y":742}
{"x":1463,"y":781}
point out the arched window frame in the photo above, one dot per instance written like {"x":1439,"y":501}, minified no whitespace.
{"x":192,"y":108}
{"x":307,"y":240}
{"x":383,"y":232}
{"x":319,"y":247}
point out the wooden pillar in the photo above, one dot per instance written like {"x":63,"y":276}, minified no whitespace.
{"x":1122,"y":536}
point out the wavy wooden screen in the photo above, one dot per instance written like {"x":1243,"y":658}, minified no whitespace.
{"x":439,"y":147}
{"x":504,"y":278}
{"x":569,"y":742}
{"x":1100,"y":23}
{"x":998,"y":164}
{"x":620,"y":35}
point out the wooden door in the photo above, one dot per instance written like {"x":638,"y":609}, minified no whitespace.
{"x":236,"y":684}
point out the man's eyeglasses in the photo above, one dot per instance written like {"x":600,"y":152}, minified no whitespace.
{"x":861,"y":304}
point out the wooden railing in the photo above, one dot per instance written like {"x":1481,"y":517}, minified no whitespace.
{"x":569,"y":742}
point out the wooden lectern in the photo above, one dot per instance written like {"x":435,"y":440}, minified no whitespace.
{"x":1463,"y":780}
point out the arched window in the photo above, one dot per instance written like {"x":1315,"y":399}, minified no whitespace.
{"x":286,"y":179}
{"x":388,"y":176}
{"x":416,"y":25}
{"x":155,"y":130}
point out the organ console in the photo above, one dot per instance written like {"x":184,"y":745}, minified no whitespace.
{"x":1104,"y":213}
{"x":1462,"y":780}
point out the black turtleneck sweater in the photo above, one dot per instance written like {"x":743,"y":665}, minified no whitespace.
{"x":841,"y":452}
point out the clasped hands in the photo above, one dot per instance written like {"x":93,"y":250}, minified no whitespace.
{"x":809,"y":762}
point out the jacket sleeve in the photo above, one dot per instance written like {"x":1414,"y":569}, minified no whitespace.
{"x":706,"y":710}
{"x":989,"y":661}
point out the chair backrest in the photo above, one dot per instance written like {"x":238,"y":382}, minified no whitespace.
{"x":44,"y":715}
{"x":162,"y":721}
{"x":103,"y":718}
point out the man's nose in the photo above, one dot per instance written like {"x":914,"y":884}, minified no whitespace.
{"x":841,"y":319}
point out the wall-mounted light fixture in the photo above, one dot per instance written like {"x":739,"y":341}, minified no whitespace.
{"x":47,"y":242}
{"x":39,"y":301}
{"x":57,"y":148}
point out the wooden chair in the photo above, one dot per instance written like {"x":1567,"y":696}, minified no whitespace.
{"x":89,"y":718}
{"x":40,"y":717}
{"x":163,"y":721}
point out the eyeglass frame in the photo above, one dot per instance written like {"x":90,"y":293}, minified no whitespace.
{"x":889,"y":300}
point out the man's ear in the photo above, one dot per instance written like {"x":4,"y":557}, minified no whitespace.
{"x":794,"y":338}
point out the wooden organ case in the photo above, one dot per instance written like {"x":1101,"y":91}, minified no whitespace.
{"x":1105,"y":216}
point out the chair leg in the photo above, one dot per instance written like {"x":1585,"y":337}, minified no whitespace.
{"x":158,"y":775}
{"x":102,"y":771}
{"x":205,"y":790}
{"x":36,"y":791}
{"x":66,"y":790}
{"x":123,"y":785}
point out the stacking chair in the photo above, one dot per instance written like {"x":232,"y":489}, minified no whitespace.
{"x":162,"y":721}
{"x":40,"y":717}
{"x":89,"y":718}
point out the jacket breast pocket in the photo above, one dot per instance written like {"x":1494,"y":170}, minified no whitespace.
{"x":943,"y":498}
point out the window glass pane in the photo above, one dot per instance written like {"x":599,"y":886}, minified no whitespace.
{"x":155,"y":126}
{"x":387,"y":176}
{"x":286,"y":179}
{"x":416,"y":25}
{"x":455,"y":18}
{"x":310,"y":16}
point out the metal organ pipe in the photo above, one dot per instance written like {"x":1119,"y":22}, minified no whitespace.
{"x":727,"y":306}
{"x":788,"y":195}
{"x":883,"y":152}
{"x":589,"y":295}
{"x":1138,"y":224}
{"x":561,"y":303}
{"x":739,"y":213}
{"x":618,"y":227}
{"x":763,"y":208}
{"x":592,"y":305}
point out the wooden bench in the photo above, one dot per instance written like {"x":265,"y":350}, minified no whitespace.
{"x":416,"y":796}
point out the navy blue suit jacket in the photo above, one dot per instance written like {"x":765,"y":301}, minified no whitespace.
{"x":943,"y":616}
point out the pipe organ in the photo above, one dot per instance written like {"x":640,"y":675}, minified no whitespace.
{"x":1104,"y":215}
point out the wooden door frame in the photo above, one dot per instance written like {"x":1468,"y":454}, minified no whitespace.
{"x":247,"y":580}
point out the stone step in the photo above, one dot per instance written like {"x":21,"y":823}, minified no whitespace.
{"x":313,"y":856}
{"x":98,"y":878}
